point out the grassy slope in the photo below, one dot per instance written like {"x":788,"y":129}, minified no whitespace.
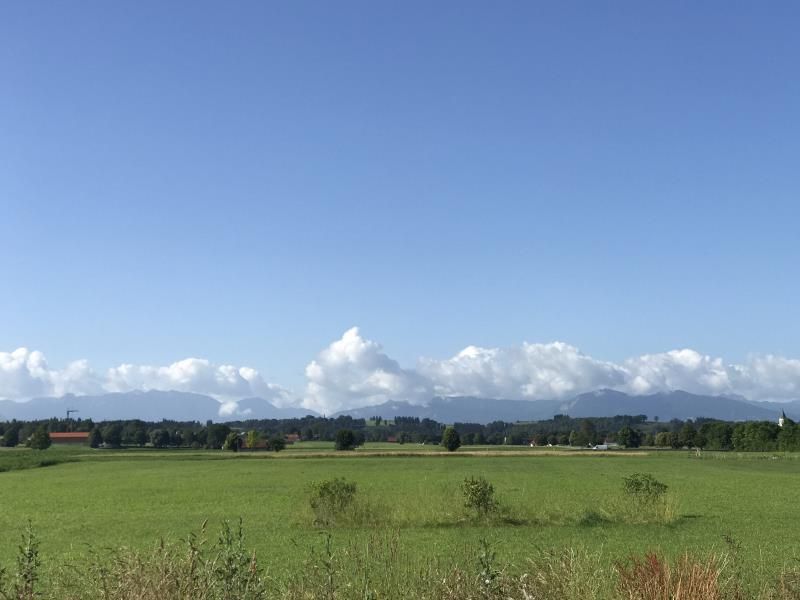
{"x":133,"y":498}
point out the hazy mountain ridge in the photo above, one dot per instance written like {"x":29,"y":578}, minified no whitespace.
{"x":184,"y":406}
{"x":152,"y":405}
{"x":602,"y":403}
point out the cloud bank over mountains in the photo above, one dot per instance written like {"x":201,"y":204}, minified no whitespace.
{"x":354,"y":372}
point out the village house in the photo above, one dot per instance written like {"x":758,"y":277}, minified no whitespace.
{"x":70,"y":437}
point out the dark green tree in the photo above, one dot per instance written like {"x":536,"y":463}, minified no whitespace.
{"x":140,"y":437}
{"x":451,"y":440}
{"x":216,"y":435}
{"x":11,"y":436}
{"x":630,"y":438}
{"x":687,"y":435}
{"x":159,"y":438}
{"x":233,"y":442}
{"x":95,"y":438}
{"x":345,"y":439}
{"x":40,"y":440}
{"x":112,"y":434}
{"x":277,"y":443}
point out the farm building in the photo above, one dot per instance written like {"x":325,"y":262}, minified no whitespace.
{"x":70,"y":437}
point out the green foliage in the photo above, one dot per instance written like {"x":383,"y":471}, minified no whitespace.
{"x":112,"y":435}
{"x":630,"y":438}
{"x":664,"y":439}
{"x":159,"y":438}
{"x":252,"y":439}
{"x":277,"y":443}
{"x":11,"y":436}
{"x":216,"y":434}
{"x":95,"y":438}
{"x":345,"y":439}
{"x":40,"y":440}
{"x":687,"y":438}
{"x":643,"y":488}
{"x":233,"y":442}
{"x":24,"y":583}
{"x":140,"y":438}
{"x":331,"y":499}
{"x":644,"y":501}
{"x":451,"y":439}
{"x":479,"y":496}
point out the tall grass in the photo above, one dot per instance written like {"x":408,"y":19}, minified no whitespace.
{"x":202,"y":568}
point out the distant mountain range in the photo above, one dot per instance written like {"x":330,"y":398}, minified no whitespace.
{"x":149,"y":406}
{"x":183,"y":406}
{"x":602,"y":403}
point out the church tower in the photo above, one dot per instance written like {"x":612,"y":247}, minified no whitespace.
{"x":782,"y":419}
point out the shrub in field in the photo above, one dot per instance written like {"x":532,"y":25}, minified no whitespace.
{"x":479,"y":496}
{"x":644,"y":500}
{"x":451,"y":439}
{"x":331,"y":499}
{"x":643,"y":488}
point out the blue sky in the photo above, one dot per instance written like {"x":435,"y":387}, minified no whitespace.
{"x":245,"y":182}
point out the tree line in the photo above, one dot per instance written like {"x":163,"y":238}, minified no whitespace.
{"x":629,"y":431}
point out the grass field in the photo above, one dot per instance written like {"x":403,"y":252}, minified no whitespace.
{"x":100,"y":498}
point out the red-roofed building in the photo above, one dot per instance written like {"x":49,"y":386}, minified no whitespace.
{"x":70,"y":437}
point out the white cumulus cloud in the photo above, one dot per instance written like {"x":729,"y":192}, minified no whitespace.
{"x":353,"y":372}
{"x":527,"y":372}
{"x":25,"y":374}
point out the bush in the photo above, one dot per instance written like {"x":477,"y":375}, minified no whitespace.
{"x":451,"y":439}
{"x":345,"y":439}
{"x":644,"y":500}
{"x":11,"y":436}
{"x":479,"y":496}
{"x":331,"y":499}
{"x":40,"y":440}
{"x":95,"y":438}
{"x":232,"y":442}
{"x":277,"y":444}
{"x":643,"y":488}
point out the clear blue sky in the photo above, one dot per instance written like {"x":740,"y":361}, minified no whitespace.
{"x":245,"y":181}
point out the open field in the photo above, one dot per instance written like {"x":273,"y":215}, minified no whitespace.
{"x":554,"y":500}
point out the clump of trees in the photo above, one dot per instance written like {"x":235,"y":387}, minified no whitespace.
{"x":629,"y":431}
{"x":40,"y":440}
{"x":345,"y":440}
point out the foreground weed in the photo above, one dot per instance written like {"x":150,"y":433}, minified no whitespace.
{"x":24,"y":583}
{"x":653,"y":578}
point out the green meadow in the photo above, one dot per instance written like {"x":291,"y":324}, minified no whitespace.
{"x":84,"y":501}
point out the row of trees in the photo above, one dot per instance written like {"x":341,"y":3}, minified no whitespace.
{"x":627,"y":431}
